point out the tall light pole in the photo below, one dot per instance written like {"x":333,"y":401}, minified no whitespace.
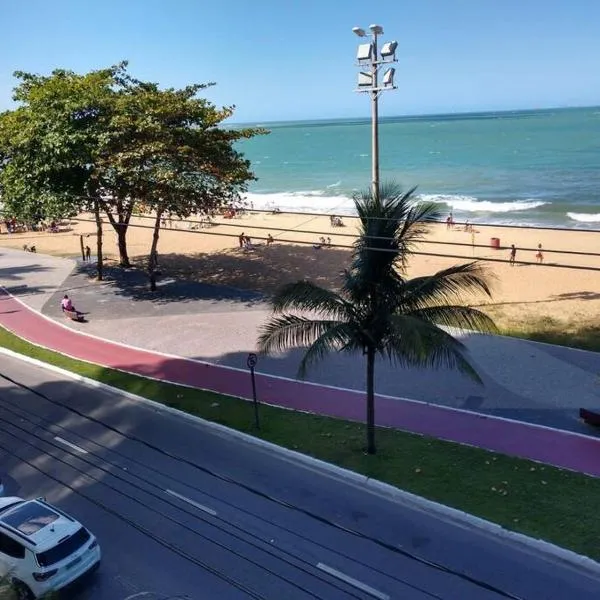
{"x":369,"y":55}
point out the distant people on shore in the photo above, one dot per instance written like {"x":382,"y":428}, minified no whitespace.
{"x":322,"y":242}
{"x":513,"y":255}
{"x":539,"y":257}
{"x":270,"y":240}
{"x":450,"y":222}
{"x":242,"y":239}
{"x":335,"y":221}
{"x":88,"y":253}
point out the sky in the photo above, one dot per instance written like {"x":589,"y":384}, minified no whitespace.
{"x":279,"y":60}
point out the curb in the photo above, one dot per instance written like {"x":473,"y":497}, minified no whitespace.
{"x":363,"y":482}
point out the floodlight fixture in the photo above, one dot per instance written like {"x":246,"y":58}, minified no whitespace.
{"x":388,"y":78}
{"x":364,"y":52}
{"x":389,"y":49}
{"x":365,"y":80}
{"x":376,"y":29}
{"x":359,"y":31}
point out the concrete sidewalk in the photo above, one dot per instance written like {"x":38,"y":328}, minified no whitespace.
{"x":530,"y":382}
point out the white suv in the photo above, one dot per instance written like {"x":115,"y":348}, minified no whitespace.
{"x":42,"y":549}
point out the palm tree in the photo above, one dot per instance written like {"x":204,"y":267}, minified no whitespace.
{"x":378,"y":311}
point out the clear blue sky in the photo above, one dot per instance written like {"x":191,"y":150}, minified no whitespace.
{"x":294,"y":59}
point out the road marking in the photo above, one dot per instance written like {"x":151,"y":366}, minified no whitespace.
{"x":354,"y":582}
{"x":199,"y":506}
{"x":72,"y":446}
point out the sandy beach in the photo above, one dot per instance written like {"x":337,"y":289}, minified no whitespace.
{"x":523,"y":293}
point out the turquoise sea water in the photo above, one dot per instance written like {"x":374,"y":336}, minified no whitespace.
{"x":526,"y":167}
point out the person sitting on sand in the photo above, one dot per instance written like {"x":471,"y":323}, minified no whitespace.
{"x":539,"y":257}
{"x":248,"y":244}
{"x":319,"y":244}
{"x":270,"y":239}
{"x":513,"y":255}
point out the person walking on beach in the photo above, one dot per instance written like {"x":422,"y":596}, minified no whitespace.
{"x":539,"y":257}
{"x":88,"y":253}
{"x":242,"y":239}
{"x":513,"y":255}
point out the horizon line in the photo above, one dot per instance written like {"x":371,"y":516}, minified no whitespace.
{"x":260,"y":123}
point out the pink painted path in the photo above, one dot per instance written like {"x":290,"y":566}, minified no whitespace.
{"x":559,"y":448}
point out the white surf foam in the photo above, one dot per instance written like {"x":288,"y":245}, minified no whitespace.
{"x":472,"y":204}
{"x":326,"y":202}
{"x":302,"y":201}
{"x":584,"y":217}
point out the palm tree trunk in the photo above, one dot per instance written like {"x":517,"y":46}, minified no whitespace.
{"x":100,"y":259}
{"x":371,"y":401}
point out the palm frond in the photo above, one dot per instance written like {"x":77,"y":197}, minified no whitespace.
{"x":287,"y":331}
{"x":391,"y":225}
{"x":307,"y":296}
{"x":364,"y":290}
{"x":338,"y":337}
{"x":447,"y":286}
{"x":457,"y":316}
{"x":417,"y":343}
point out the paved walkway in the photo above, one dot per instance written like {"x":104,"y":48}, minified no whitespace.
{"x":554,"y":447}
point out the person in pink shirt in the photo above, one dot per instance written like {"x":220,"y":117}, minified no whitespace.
{"x":66,"y":304}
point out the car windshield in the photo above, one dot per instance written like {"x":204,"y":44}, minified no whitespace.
{"x":63,"y":549}
{"x":30,"y":517}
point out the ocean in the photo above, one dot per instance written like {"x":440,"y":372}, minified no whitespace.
{"x":539,"y":167}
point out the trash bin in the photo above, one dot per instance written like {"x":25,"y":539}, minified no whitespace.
{"x":495,"y":243}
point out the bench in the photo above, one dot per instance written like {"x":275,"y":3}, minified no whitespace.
{"x":73,"y":315}
{"x":590,"y":417}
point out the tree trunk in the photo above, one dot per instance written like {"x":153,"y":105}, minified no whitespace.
{"x":100,"y":261}
{"x":120,"y":225}
{"x":371,"y":401}
{"x":122,"y":243}
{"x":153,"y":258}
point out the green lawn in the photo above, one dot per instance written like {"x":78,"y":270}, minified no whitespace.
{"x":541,"y":501}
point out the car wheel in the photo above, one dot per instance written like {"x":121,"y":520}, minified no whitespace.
{"x":22,"y":591}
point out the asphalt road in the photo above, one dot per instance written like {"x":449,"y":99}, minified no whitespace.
{"x":182,"y":511}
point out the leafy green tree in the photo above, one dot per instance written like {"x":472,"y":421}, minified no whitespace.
{"x":49,"y":146}
{"x":170,"y":152}
{"x":378,"y":311}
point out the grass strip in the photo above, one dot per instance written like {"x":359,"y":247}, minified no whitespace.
{"x":538,"y":500}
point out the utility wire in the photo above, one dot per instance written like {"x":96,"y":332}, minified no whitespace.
{"x":412,"y":252}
